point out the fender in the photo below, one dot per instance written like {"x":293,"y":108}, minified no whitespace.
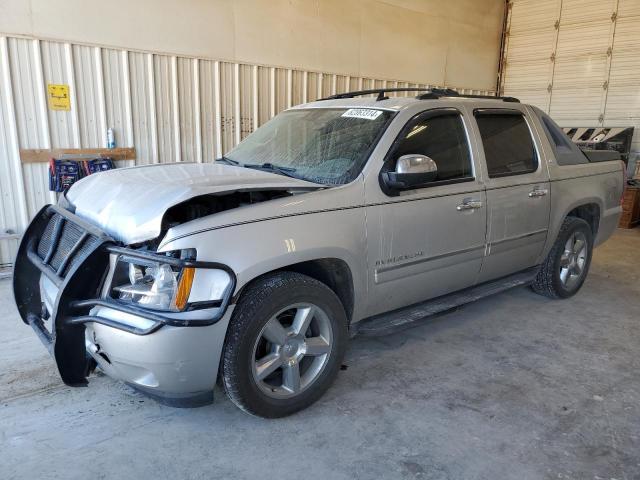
{"x":256,"y":248}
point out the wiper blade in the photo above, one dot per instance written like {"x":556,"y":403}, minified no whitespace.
{"x":269,"y":166}
{"x":287,"y":171}
{"x":227,"y":160}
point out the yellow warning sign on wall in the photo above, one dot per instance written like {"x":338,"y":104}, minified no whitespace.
{"x":58,"y":96}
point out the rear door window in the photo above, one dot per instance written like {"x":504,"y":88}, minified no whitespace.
{"x":508,"y":145}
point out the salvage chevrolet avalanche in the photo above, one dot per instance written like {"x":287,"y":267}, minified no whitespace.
{"x":356,"y":214}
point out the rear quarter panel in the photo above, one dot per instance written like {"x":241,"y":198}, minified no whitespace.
{"x":575,"y":185}
{"x":572,"y":186}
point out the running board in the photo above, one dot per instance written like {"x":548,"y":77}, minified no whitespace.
{"x":406,"y":317}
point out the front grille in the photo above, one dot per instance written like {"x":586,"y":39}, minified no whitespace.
{"x":47,"y":236}
{"x":62,"y":242}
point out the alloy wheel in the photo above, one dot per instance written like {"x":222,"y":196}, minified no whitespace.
{"x":292,"y":350}
{"x":573,"y":260}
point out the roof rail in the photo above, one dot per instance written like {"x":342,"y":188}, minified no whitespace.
{"x":380,"y":91}
{"x":448,"y":92}
{"x":429,"y":94}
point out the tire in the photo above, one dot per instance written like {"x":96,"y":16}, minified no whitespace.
{"x":556,"y":279}
{"x":258,"y":368}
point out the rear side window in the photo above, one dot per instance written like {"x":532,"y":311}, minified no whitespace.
{"x":508,"y":146}
{"x":441,"y":137}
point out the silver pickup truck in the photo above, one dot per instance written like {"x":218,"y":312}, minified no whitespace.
{"x":356,"y":214}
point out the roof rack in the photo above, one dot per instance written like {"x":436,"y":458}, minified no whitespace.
{"x":429,"y":94}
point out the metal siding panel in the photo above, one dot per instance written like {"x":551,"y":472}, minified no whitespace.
{"x":532,"y":75}
{"x":534,"y":96}
{"x":627,"y":36}
{"x":165,"y":112}
{"x":142,"y":109}
{"x":583,"y":39}
{"x":341,"y":84}
{"x":628,"y":8}
{"x":403,"y":85}
{"x":227,"y":106}
{"x":586,"y":11}
{"x":55,"y":70}
{"x":208,"y":124}
{"x":577,"y":89}
{"x":186,"y":102}
{"x":25,"y":85}
{"x":327,"y":80}
{"x":32,"y":125}
{"x":13,"y":206}
{"x":313,"y":80}
{"x":246,"y":99}
{"x":368,"y":84}
{"x":88,"y":97}
{"x":264,"y":95}
{"x":531,"y":46}
{"x":116,"y":101}
{"x":281,"y":90}
{"x":532,"y":15}
{"x":623,"y":99}
{"x":581,"y":68}
{"x":580,"y":72}
{"x":297,"y":95}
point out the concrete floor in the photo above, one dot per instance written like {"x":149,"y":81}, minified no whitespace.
{"x":512,"y":387}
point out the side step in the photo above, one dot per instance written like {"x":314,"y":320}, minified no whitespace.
{"x":406,"y":317}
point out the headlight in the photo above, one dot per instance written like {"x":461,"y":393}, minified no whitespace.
{"x":161,"y":286}
{"x":154,"y":286}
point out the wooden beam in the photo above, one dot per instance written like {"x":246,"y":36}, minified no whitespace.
{"x":43,"y":155}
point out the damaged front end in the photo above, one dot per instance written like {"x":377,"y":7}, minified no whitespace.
{"x":204,"y":205}
{"x":68,"y":277}
{"x":136,"y":205}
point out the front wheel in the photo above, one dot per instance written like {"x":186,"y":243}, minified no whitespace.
{"x":565,"y":268}
{"x":284,"y":346}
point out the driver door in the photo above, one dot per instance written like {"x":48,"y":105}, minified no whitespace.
{"x":429,"y":240}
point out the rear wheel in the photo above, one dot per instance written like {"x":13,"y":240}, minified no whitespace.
{"x":284,"y":346}
{"x":566,"y":267}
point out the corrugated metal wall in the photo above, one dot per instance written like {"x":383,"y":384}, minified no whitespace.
{"x":169,"y":108}
{"x":579,"y":60}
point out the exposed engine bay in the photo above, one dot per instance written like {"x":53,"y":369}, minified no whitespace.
{"x":205,"y":205}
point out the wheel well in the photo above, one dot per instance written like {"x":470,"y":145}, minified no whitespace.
{"x":334,"y":273}
{"x":590,"y":213}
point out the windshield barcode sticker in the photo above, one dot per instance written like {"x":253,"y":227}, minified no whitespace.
{"x":366,"y":113}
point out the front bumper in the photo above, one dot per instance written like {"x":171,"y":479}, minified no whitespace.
{"x":177,"y":366}
{"x":61,"y":265}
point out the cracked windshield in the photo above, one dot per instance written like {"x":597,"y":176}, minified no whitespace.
{"x":328,"y":146}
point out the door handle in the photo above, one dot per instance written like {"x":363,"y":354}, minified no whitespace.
{"x":469,"y":205}
{"x":538,"y":192}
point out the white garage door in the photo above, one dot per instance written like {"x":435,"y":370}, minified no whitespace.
{"x":579,"y":60}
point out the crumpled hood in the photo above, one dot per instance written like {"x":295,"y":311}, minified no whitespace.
{"x":129,"y":203}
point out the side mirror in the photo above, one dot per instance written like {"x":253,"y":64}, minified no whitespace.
{"x":412,"y":171}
